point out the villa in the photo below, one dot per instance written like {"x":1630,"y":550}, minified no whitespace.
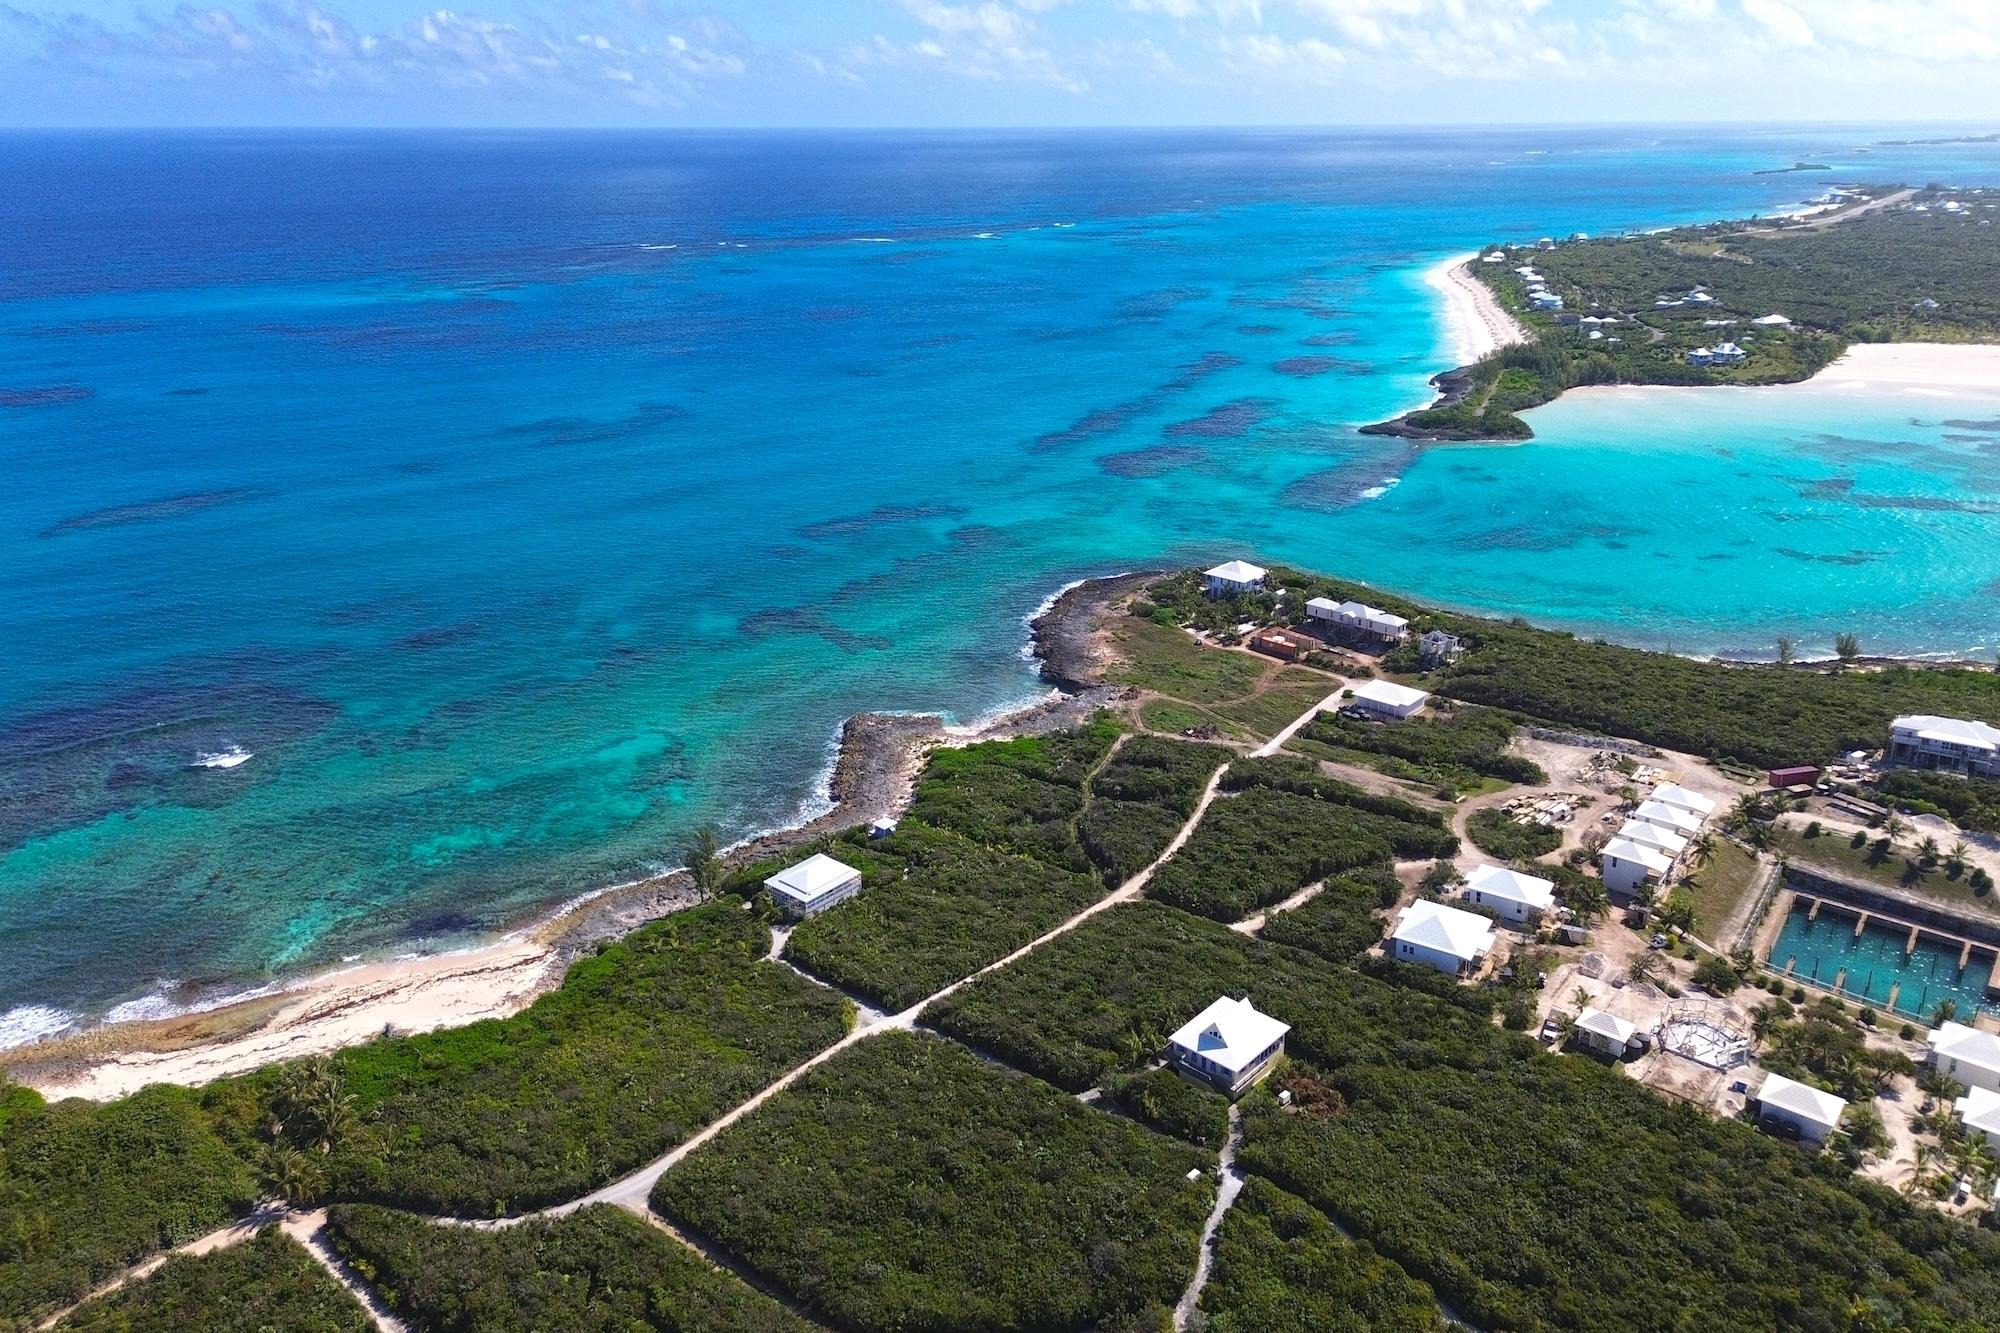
{"x":1356,"y":616}
{"x":813,"y":885}
{"x":1945,"y":745}
{"x":1386,"y":699}
{"x":1788,"y":1104}
{"x":1672,"y":818}
{"x":1522,"y":899}
{"x":1979,"y":1111}
{"x":1438,"y":647}
{"x":1233,"y":577}
{"x":1606,"y":1034}
{"x":1626,"y":866}
{"x":1228,"y":1045}
{"x":1701,"y":356}
{"x":1772,"y":321}
{"x":1727,"y":354}
{"x":1446,"y":938}
{"x":1546,"y":301}
{"x":1966,"y":1054}
{"x":1694,"y":802}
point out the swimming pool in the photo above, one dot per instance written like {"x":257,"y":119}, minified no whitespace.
{"x":1875,"y":963}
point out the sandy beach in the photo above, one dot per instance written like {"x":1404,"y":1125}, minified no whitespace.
{"x":1475,"y":322}
{"x":880,"y":756}
{"x":1921,"y":370}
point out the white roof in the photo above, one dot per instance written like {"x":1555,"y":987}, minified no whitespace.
{"x":1230,"y":1032}
{"x":1500,"y":882}
{"x":1605,"y":1025}
{"x":1728,"y":349}
{"x":1956,"y":731}
{"x":1678,"y":819}
{"x":1389,"y":694}
{"x":1624,"y":849}
{"x":1383,"y":618}
{"x":1675,"y":794}
{"x":1447,"y":930}
{"x":1323,"y":604}
{"x":812,"y":879}
{"x":1652,"y":835}
{"x":1772,"y":320}
{"x":1237,"y":571}
{"x":1956,"y":1041}
{"x":1979,"y":1108}
{"x":1821,"y":1108}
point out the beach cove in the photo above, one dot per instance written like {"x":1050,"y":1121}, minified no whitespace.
{"x":513,"y":648}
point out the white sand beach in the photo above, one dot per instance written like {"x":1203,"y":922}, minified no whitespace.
{"x":1936,"y":371}
{"x":1475,"y":322}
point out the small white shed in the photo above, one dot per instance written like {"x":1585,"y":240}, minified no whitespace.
{"x":1607,"y":1034}
{"x":1786,"y":1102}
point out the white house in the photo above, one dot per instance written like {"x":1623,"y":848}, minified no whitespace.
{"x":1626,"y":865}
{"x":1814,"y":1114}
{"x":1946,"y":744}
{"x":1387,"y":699}
{"x":1235,"y":576}
{"x":1672,"y":818}
{"x":1727,"y":354}
{"x":1701,"y":356}
{"x":1772,"y":321}
{"x":1497,"y":257}
{"x":1979,"y":1110}
{"x":1520,"y":898}
{"x":1664,"y":841}
{"x":1546,"y":301}
{"x":1607,"y":1034}
{"x":1966,"y":1054}
{"x":1693,"y":802}
{"x":1229,"y":1044}
{"x":1446,"y":938}
{"x":1356,"y":616}
{"x":813,"y":885}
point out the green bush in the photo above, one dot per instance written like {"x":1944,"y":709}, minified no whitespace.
{"x":1341,"y":921}
{"x":88,"y":1190}
{"x":1140,"y":799}
{"x":1458,"y":748}
{"x":1022,"y":795}
{"x":906,"y":1184}
{"x":1495,"y":833}
{"x":642,"y":1044}
{"x":1714,"y":973}
{"x":1173,"y":1104}
{"x":1281,"y":1267}
{"x":598,"y":1270}
{"x":267,"y":1284}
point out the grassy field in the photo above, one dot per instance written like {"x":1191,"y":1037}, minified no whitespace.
{"x":1292,"y":691}
{"x":907,"y":1184}
{"x":1719,"y":888}
{"x":1836,"y":854}
{"x":1168,"y":662}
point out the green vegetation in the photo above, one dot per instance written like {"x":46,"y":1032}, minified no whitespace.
{"x":1877,"y":861}
{"x":1496,"y":833}
{"x":1822,"y":1045}
{"x":1280,"y":1267}
{"x":87,"y":1190}
{"x":1971,"y":803}
{"x":268,"y":1284}
{"x":599,"y":1269}
{"x":1760,"y":715}
{"x":1459,"y":750}
{"x":1173,"y":1105}
{"x":1340,"y":922}
{"x":955,"y":907}
{"x":642,"y":1044}
{"x":1291,"y":692}
{"x":1286,"y":827}
{"x":1721,"y":880}
{"x":1140,"y":799}
{"x":1020,"y":795}
{"x":906,"y":1184}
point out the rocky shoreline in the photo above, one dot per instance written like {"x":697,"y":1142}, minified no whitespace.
{"x":1453,"y":387}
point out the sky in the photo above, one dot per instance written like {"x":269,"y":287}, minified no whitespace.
{"x":643,"y":63}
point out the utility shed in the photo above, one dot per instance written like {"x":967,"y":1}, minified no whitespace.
{"x":1786,"y":1104}
{"x":813,"y":885}
{"x":1607,"y":1034}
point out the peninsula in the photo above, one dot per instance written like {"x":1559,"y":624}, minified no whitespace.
{"x":1755,"y":302}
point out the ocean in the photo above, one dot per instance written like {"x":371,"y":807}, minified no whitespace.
{"x":519,"y":502}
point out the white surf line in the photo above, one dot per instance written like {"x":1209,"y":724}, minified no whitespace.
{"x":1272,"y":746}
{"x":1225,"y":1195}
{"x":309,"y":1230}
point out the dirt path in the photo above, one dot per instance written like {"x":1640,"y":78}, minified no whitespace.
{"x":309,"y":1230}
{"x":1297,"y":724}
{"x":1250,"y":925}
{"x":1232,"y":1185}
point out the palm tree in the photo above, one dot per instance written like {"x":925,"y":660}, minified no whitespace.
{"x":1586,"y":899}
{"x":1946,"y":1011}
{"x":1786,"y":646}
{"x":1927,"y":850}
{"x":292,"y":1175}
{"x":1892,"y":825}
{"x":1957,"y":859}
{"x":1919,"y":1168}
{"x":1846,"y":647}
{"x":1645,"y":968}
{"x":703,"y":863}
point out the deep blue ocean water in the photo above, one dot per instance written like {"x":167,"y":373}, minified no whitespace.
{"x":523,"y":500}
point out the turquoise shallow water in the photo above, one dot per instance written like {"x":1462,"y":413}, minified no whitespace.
{"x":522,"y":501}
{"x":1872,"y":966}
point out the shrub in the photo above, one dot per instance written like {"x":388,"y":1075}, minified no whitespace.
{"x":1339,"y":922}
{"x":1715,"y":974}
{"x":1173,"y":1104}
{"x":1494,"y":832}
{"x":1022,"y":795}
{"x":1458,"y":748}
{"x":267,"y":1282}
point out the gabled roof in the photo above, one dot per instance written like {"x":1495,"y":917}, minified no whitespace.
{"x":1652,"y":835}
{"x":1237,"y":571}
{"x":1675,"y":794}
{"x":1807,"y":1103}
{"x":1609,"y":1026}
{"x":1624,"y":849}
{"x":1447,"y":930}
{"x":1952,"y":730}
{"x":1389,"y":694}
{"x":1230,"y":1032}
{"x":812,"y":878}
{"x":1956,"y":1041}
{"x":1979,"y":1108}
{"x":1675,"y":818}
{"x":1500,"y":882}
